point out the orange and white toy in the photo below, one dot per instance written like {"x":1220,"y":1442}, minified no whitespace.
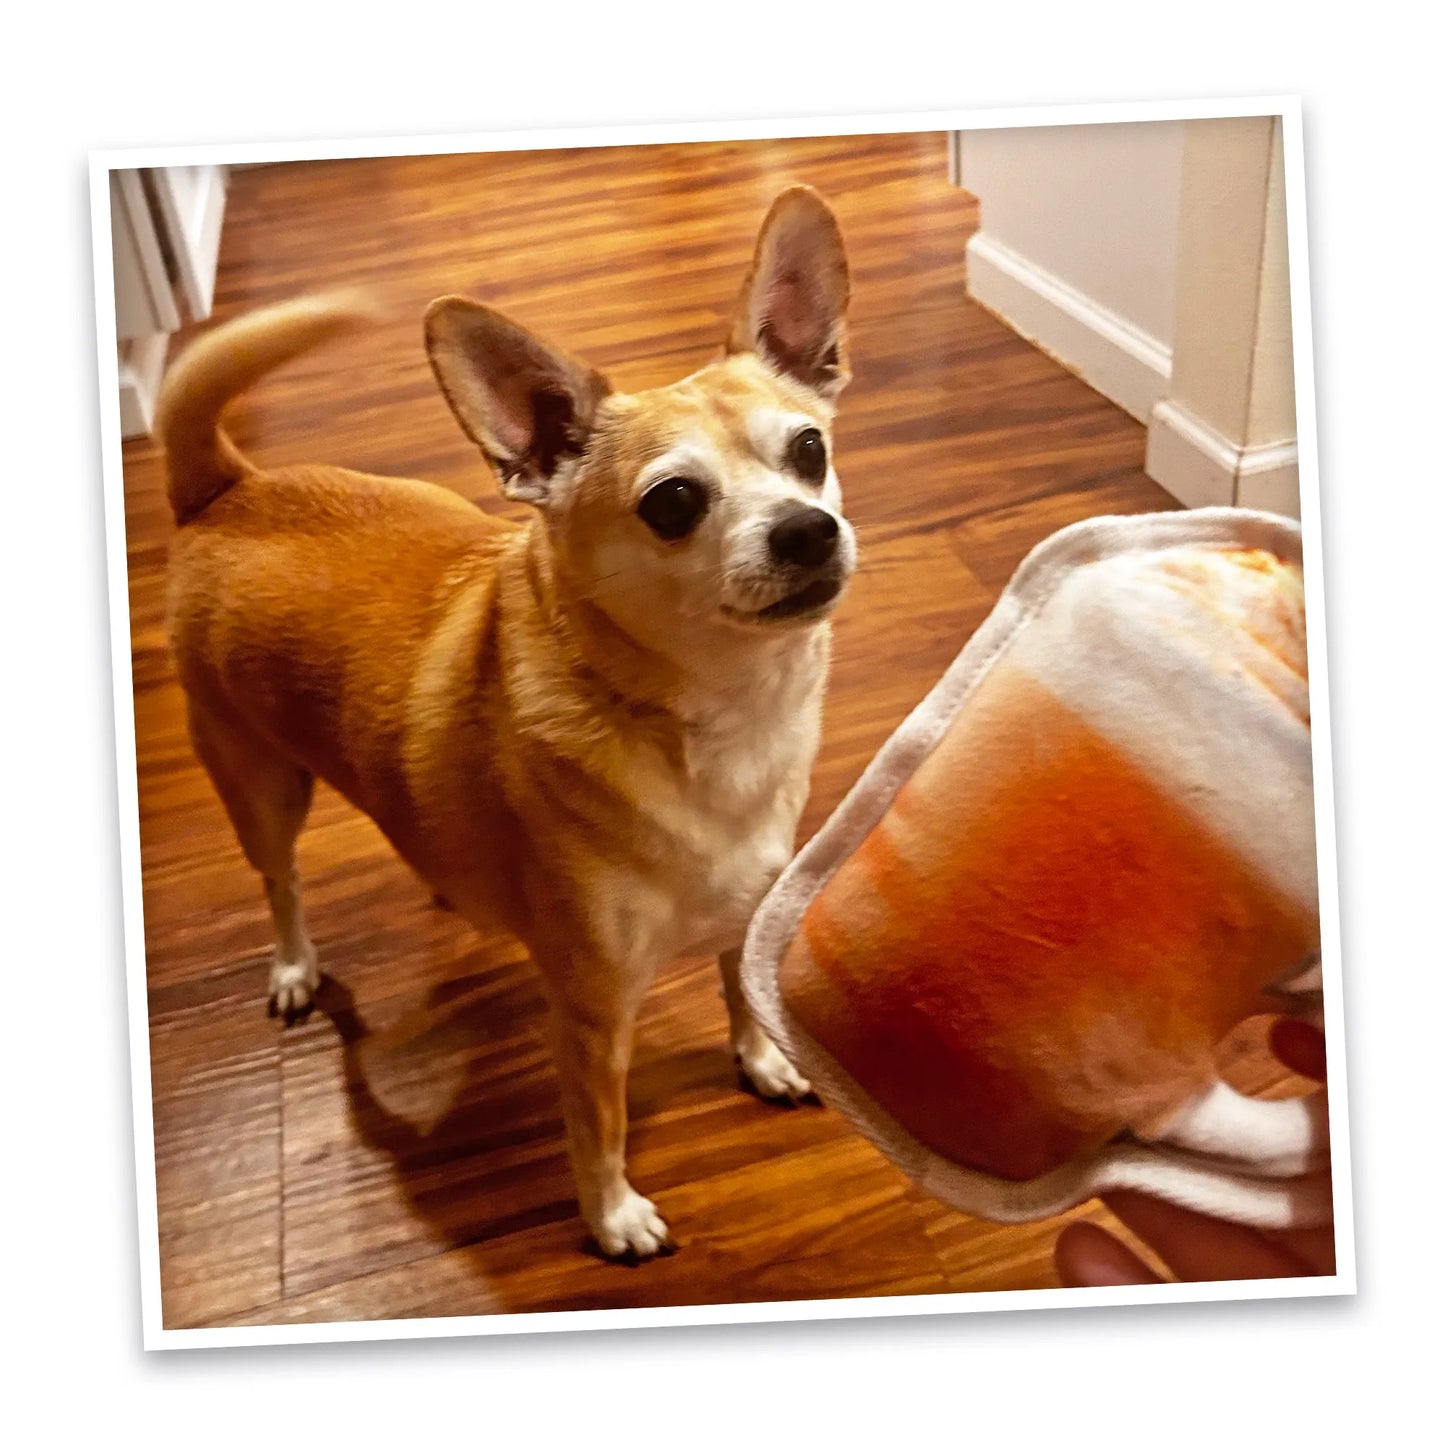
{"x":1012,"y":954}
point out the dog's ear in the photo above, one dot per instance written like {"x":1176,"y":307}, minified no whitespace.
{"x":527,"y":405}
{"x":792,"y":305}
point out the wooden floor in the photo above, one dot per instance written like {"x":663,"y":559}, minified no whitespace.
{"x":401,"y":1153}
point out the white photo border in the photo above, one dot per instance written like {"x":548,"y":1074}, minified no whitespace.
{"x":154,"y":1334}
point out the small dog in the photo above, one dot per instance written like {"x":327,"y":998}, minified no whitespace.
{"x":596,"y":728}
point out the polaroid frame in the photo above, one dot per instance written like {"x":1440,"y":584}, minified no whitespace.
{"x":154,"y":1334}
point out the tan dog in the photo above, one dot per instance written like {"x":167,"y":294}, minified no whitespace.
{"x":598,"y":727}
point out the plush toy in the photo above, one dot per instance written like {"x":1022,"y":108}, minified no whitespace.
{"x":1011,"y":955}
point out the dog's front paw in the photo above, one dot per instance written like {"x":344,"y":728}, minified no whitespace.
{"x":293,"y":986}
{"x":632,"y":1230}
{"x":768,"y":1070}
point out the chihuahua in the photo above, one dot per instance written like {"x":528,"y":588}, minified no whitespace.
{"x":597,"y":727}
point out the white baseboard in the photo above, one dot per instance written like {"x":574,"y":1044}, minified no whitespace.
{"x":1100,"y":346}
{"x":141,"y":364}
{"x":1202,"y":468}
{"x":1269,"y":479}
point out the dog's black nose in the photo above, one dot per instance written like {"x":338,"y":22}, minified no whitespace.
{"x":805,"y":538}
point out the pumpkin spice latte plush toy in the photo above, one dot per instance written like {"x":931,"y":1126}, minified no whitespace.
{"x":1012,"y":954}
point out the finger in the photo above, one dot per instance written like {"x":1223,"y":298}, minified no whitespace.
{"x":1087,"y":1256}
{"x":1299,"y":1046}
{"x":1198,"y":1248}
{"x":1314,"y":1248}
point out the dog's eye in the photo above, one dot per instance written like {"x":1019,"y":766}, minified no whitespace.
{"x":673,"y":508}
{"x":808,"y":455}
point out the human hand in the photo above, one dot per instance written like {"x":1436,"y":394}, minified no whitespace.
{"x":1194,"y":1246}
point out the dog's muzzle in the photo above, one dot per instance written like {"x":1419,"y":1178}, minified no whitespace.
{"x":804,"y":547}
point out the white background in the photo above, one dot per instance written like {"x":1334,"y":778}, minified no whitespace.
{"x":171,"y":74}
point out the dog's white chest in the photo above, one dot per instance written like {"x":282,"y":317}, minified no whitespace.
{"x":731,"y":825}
{"x":713,"y":908}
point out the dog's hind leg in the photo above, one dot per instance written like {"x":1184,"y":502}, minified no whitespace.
{"x":266,"y":798}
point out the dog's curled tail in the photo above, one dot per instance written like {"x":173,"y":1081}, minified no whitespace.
{"x":201,"y":460}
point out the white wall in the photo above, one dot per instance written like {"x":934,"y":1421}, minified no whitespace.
{"x":1150,"y":258}
{"x":1078,"y":247}
{"x":1096,"y":206}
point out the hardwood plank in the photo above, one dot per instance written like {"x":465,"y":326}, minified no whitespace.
{"x":755,"y":1236}
{"x":993,"y":543}
{"x":217,"y":1111}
